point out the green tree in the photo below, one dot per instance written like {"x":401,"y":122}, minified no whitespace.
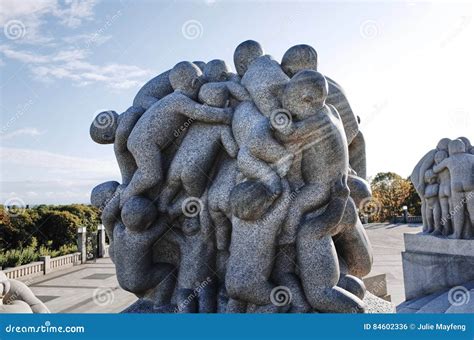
{"x":390,"y":193}
{"x":16,"y":230}
{"x":60,"y":227}
{"x":413,"y":202}
{"x":88,"y":215}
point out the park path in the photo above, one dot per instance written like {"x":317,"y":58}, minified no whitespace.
{"x":86,"y":288}
{"x":93,"y":287}
{"x":387,"y":244}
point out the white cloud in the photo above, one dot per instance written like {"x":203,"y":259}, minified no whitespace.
{"x":87,"y":39}
{"x":38,"y":176}
{"x":32,"y":14}
{"x":53,"y":163}
{"x":31,"y":132}
{"x":72,"y":62}
{"x":24,"y":57}
{"x":72,"y":65}
{"x":48,"y":191}
{"x":75,"y":11}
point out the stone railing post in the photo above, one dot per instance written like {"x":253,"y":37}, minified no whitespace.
{"x":46,"y":263}
{"x":82,"y":243}
{"x":101,"y":240}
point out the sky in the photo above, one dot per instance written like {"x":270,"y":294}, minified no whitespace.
{"x":405,"y":66}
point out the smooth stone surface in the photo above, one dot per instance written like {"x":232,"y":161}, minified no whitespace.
{"x":439,"y":245}
{"x":428,"y":268}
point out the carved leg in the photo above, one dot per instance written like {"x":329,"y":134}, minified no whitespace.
{"x":429,"y":219}
{"x":194,"y":180}
{"x":319,"y":268}
{"x":252,"y":167}
{"x":354,"y":247}
{"x":223,"y":228}
{"x":445,"y":217}
{"x":309,"y":198}
{"x":149,"y":173}
{"x":438,"y":227}
{"x":284,"y":275}
{"x":353,"y":285}
{"x":170,"y":190}
{"x":187,"y":301}
{"x":458,"y":202}
{"x":164,"y":275}
{"x":236,"y":306}
{"x":207,"y":298}
{"x":424,"y":212}
{"x":470,"y":205}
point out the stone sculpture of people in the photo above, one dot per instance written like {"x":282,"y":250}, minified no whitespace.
{"x":447,"y":188}
{"x":236,"y":185}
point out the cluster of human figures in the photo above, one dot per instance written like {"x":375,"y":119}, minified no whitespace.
{"x":444,"y":180}
{"x":240,"y":191}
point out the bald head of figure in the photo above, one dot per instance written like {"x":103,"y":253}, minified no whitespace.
{"x":216,"y":71}
{"x":456,"y":146}
{"x":305,"y":93}
{"x":104,"y":127}
{"x":244,"y":54}
{"x":103,"y":193}
{"x":187,"y":78}
{"x":299,"y":57}
{"x":440,"y":156}
{"x":443,"y":144}
{"x":466,"y":142}
{"x":200,"y":64}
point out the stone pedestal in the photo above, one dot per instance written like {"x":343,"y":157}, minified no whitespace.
{"x":432,"y":264}
{"x":101,"y":241}
{"x":82,"y":243}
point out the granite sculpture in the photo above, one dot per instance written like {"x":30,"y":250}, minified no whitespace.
{"x":444,"y":180}
{"x":16,"y":297}
{"x":240,"y":191}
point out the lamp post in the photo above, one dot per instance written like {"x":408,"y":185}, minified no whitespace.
{"x":405,"y":214}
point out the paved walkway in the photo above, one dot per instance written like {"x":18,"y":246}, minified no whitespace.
{"x":93,"y":287}
{"x":88,"y":288}
{"x":387,"y":243}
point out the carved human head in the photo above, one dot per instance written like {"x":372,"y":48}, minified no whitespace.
{"x":216,"y":70}
{"x":244,"y":54}
{"x":443,"y":144}
{"x":214,"y":94}
{"x":200,"y":64}
{"x":299,"y":57}
{"x":104,"y":126}
{"x":103,"y":193}
{"x":466,"y":142}
{"x":305,"y":93}
{"x":456,"y":146}
{"x":440,"y":156}
{"x":430,"y":176}
{"x":187,"y":78}
{"x":138,"y":213}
